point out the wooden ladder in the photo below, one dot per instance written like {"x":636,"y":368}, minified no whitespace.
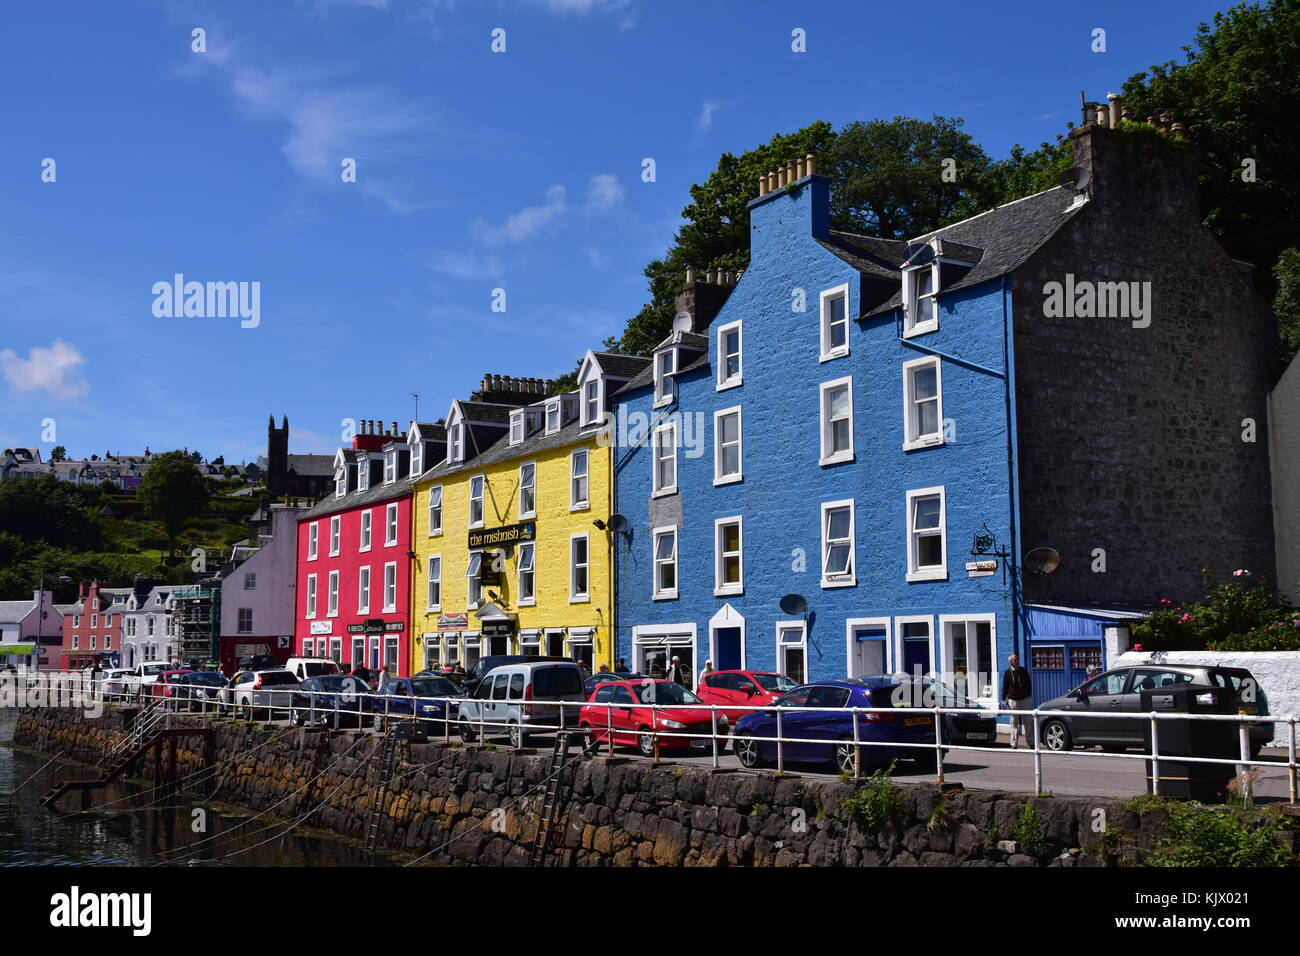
{"x":552,"y":799}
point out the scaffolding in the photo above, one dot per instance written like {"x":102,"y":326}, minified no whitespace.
{"x":196,"y":609}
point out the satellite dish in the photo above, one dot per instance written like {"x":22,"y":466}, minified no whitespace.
{"x":919,"y":254}
{"x":1075,"y":178}
{"x":682,"y":322}
{"x":617,"y":524}
{"x":1043,"y":560}
{"x":793,"y":604}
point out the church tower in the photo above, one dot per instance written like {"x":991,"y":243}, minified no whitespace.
{"x":277,"y":456}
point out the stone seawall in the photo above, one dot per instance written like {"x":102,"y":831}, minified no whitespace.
{"x":459,"y":806}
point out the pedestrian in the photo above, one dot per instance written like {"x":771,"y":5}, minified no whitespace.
{"x":708,"y":669}
{"x":621,"y":667}
{"x":676,"y":672}
{"x":1016,"y":694}
{"x":359,"y":672}
{"x":604,"y":668}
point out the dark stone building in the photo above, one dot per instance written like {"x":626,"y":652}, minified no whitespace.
{"x":303,"y":476}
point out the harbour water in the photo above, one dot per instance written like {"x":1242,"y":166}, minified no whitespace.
{"x":133,"y":827}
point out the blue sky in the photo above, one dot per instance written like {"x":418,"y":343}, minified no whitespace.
{"x":475,"y":170}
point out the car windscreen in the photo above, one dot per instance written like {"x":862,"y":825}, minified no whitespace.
{"x":556,"y":681}
{"x":775,"y":683}
{"x":432,"y":687}
{"x":152,"y":669}
{"x":665,"y":694}
{"x":318,"y":668}
{"x":277,"y":679}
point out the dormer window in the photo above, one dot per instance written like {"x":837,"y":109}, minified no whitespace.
{"x":390,"y":467}
{"x":516,"y":427}
{"x":665,"y":365}
{"x":363,"y":474}
{"x":921,"y":312}
{"x":417,"y":459}
{"x":340,"y":482}
{"x":552,"y":417}
{"x":591,"y":402}
{"x":456,"y":442}
{"x":835,"y":323}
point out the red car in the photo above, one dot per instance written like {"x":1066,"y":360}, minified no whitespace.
{"x":165,"y":685}
{"x":742,"y":689}
{"x":634,"y":722}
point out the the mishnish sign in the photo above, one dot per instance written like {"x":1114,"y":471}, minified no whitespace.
{"x":506,"y":534}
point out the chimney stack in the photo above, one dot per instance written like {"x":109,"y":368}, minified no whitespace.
{"x":791,"y":172}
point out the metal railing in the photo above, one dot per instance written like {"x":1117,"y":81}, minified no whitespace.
{"x":851,"y":749}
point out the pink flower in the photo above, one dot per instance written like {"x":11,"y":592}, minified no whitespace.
{"x":1241,"y":573}
{"x":1187,"y":619}
{"x":1166,"y":601}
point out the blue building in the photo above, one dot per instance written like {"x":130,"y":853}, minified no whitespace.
{"x":843,"y":463}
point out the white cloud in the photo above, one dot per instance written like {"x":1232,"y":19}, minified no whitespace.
{"x":604,"y":193}
{"x":54,"y":369}
{"x":705,"y":119}
{"x":581,"y":7}
{"x":466,"y":265}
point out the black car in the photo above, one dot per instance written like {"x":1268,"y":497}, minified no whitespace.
{"x":258,"y":662}
{"x":199,"y":690}
{"x":484,"y":665}
{"x":604,"y":677}
{"x":406,"y":697}
{"x":978,"y":730}
{"x":331,"y":699}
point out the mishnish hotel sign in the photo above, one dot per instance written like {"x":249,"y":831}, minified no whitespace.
{"x":506,"y":534}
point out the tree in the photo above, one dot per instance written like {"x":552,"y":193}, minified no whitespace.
{"x":172,"y":492}
{"x":1286,"y":304}
{"x":48,"y":509}
{"x":58,"y":453}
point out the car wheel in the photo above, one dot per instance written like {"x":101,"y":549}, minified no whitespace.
{"x":747,"y":751}
{"x":467,"y":733}
{"x":645,"y":742}
{"x":843,"y":756}
{"x":1056,"y":736}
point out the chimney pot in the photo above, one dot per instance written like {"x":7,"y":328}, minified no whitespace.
{"x":1125,"y":114}
{"x":1113,"y":98}
{"x":1178,"y":129}
{"x":690,"y":274}
{"x":1166,"y":119}
{"x":799,"y":168}
{"x":812,"y":164}
{"x":1101,"y":115}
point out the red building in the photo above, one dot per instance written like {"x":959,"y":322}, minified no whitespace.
{"x":92,"y":627}
{"x":353,"y":580}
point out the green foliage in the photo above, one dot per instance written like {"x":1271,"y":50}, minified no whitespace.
{"x":1198,"y":835}
{"x":877,"y":803}
{"x":58,"y":453}
{"x":1027,"y":831}
{"x":1282,"y":635}
{"x":50,"y":510}
{"x":940,"y":820}
{"x":172,"y":492}
{"x":1240,"y":605}
{"x":1238,"y":95}
{"x":1286,"y":303}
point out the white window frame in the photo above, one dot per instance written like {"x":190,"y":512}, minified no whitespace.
{"x":456,"y":442}
{"x":825,"y":388}
{"x":664,"y":635}
{"x":391,"y":530}
{"x":849,"y":579}
{"x":313,"y":541}
{"x":827,"y":352}
{"x":390,"y":467}
{"x":530,"y":487}
{"x":363,"y":473}
{"x":435,"y":510}
{"x":336,"y":534}
{"x":666,"y":594}
{"x":433,"y":564}
{"x":937,"y":573}
{"x":725,"y":381}
{"x":340,"y":481}
{"x":854,"y":624}
{"x":663,"y":377}
{"x":367,"y":527}
{"x":311,"y":596}
{"x":332,"y":595}
{"x":482,"y":494}
{"x":912,"y":436}
{"x":946,"y":656}
{"x":721,"y":588}
{"x":363,"y":589}
{"x":474,"y":583}
{"x":529,"y":548}
{"x":718,"y":477}
{"x":574,"y":503}
{"x":655,"y":458}
{"x":802,"y":643}
{"x":899,"y":636}
{"x":417,"y":459}
{"x":930,"y":323}
{"x":390,"y":571}
{"x":588,"y":419}
{"x":555,"y":408}
{"x":576,"y":596}
{"x":516,"y":426}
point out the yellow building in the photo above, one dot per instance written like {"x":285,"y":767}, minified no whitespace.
{"x":513,"y":555}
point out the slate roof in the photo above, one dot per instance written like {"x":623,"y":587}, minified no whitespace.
{"x":502,"y":450}
{"x":878,"y":257}
{"x":1008,"y":235}
{"x":621,"y":366}
{"x":317,"y":465}
{"x":331,"y":505}
{"x":12,"y":612}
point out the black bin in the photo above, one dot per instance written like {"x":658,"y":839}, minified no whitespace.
{"x":1206,"y":782}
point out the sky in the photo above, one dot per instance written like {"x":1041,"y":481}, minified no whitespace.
{"x":475,"y":170}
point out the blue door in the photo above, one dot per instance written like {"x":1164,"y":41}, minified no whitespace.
{"x":916,"y":655}
{"x":1061,"y":666}
{"x":726,"y":642}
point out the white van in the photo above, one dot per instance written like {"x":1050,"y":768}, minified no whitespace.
{"x":506,"y":701}
{"x":305,"y":667}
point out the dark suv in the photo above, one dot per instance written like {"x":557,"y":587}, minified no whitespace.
{"x":1119,"y":691}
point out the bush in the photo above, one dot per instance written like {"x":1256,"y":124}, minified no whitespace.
{"x":1198,"y":835}
{"x":878,"y":803}
{"x":1279,"y":636}
{"x":1028,"y":832}
{"x":1233,"y":607}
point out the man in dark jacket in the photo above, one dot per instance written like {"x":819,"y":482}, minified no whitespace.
{"x":1017,"y":693}
{"x":359,"y":671}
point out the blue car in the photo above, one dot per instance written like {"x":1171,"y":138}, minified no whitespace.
{"x":403,"y":698}
{"x":823,"y":715}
